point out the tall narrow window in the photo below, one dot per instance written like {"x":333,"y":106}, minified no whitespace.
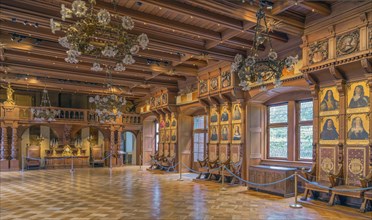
{"x":156,"y":136}
{"x":305,"y":128}
{"x":199,"y":137}
{"x":278,"y":131}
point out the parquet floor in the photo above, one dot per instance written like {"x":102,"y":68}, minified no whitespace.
{"x":127,"y":193}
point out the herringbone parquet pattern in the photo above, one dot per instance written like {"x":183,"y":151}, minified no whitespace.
{"x":128,"y":193}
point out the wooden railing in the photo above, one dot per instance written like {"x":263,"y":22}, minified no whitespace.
{"x":25,"y":113}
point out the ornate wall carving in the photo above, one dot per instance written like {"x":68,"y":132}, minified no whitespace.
{"x":318,"y":51}
{"x":347,"y":43}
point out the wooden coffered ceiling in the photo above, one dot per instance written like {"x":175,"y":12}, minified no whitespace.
{"x":186,"y":36}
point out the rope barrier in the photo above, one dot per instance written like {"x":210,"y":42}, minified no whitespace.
{"x":333,"y":189}
{"x":258,"y":184}
{"x":192,"y":170}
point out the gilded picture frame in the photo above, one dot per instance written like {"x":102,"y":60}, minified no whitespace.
{"x":329,"y":130}
{"x":214,"y":117}
{"x":329,"y":101}
{"x":236,"y":113}
{"x":357,"y":129}
{"x":225,"y":115}
{"x":225,"y":134}
{"x":173,"y":136}
{"x":237,"y":134}
{"x":214,"y":134}
{"x":358,"y":99}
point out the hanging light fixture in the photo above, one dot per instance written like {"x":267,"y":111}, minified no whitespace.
{"x":254,"y":69}
{"x":45,"y":112}
{"x":108,"y":107}
{"x":99,"y":34}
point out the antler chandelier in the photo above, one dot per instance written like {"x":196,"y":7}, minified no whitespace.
{"x":45,"y":112}
{"x":255,"y":70}
{"x":108,"y":107}
{"x":98,"y":34}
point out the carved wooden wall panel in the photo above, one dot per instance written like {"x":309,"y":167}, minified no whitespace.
{"x":327,"y":161}
{"x":356,"y":164}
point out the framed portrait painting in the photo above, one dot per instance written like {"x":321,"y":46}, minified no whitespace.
{"x":225,"y":115}
{"x":237,"y":134}
{"x":358,"y":99}
{"x":225,"y":134}
{"x":214,"y":116}
{"x":329,"y":101}
{"x":173,"y":136}
{"x":329,"y":130}
{"x":236,"y":113}
{"x":214,"y":138}
{"x":357,"y":129}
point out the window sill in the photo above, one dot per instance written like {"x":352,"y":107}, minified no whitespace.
{"x":285,"y":163}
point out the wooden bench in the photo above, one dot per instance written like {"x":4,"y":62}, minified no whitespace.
{"x":218,"y":172}
{"x":168,"y":163}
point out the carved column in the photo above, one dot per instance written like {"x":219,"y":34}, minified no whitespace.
{"x":342,"y":116}
{"x":112,"y":139}
{"x":14,"y":148}
{"x":120,"y":130}
{"x":4,"y":143}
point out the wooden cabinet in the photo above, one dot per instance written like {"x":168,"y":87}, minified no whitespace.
{"x":65,"y":162}
{"x":268,"y":174}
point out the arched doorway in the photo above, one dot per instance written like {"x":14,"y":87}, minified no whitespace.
{"x":128,"y":146}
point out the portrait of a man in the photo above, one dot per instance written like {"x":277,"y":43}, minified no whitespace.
{"x":329,"y":131}
{"x":329,"y":103}
{"x":237,"y":135}
{"x":357,"y":131}
{"x":236,"y":114}
{"x":359,"y":99}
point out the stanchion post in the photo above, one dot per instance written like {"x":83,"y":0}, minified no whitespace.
{"x":296,"y":205}
{"x":72,"y":165}
{"x":180,"y":171}
{"x":223,"y":178}
{"x":140,"y":157}
{"x":23,"y":164}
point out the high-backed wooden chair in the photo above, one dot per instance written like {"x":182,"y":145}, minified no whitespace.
{"x":366,"y":182}
{"x":33,"y":158}
{"x":203,"y":168}
{"x":235,"y":168}
{"x":97,"y":156}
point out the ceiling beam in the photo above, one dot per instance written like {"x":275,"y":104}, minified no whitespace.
{"x":316,"y":7}
{"x":281,"y":6}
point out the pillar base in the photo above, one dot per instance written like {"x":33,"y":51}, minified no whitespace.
{"x":14,"y":164}
{"x":4,"y":165}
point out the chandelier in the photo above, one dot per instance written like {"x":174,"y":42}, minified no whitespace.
{"x":108,"y":107}
{"x":257,"y":70}
{"x":99,"y":34}
{"x":45,"y":112}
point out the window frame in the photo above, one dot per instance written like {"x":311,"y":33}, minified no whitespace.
{"x":300,"y":123}
{"x":293,"y":125}
{"x":276,"y":125}
{"x":198,"y":131}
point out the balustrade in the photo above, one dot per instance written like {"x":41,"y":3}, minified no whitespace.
{"x":64,"y":114}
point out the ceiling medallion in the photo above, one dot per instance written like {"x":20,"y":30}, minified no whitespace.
{"x":99,"y":34}
{"x":254,"y":69}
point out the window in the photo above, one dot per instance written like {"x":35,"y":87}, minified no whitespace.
{"x":156,"y":136}
{"x":278,"y":131}
{"x":305,"y":124}
{"x":200,"y":137}
{"x":290,"y":131}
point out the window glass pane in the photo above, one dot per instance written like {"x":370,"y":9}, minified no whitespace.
{"x":306,"y":142}
{"x":199,"y":122}
{"x":278,"y":142}
{"x":156,"y":127}
{"x":278,"y":114}
{"x":198,"y":146}
{"x":306,"y":111}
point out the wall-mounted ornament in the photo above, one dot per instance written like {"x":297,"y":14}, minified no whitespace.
{"x":370,"y":36}
{"x":347,"y":43}
{"x":225,"y":115}
{"x":164,"y":98}
{"x":173,"y":136}
{"x":236,"y":114}
{"x":213,"y":116}
{"x":9,"y":95}
{"x":237,"y":134}
{"x":203,"y":87}
{"x":214,"y":83}
{"x":226,"y":79}
{"x":318,"y":51}
{"x":357,"y":97}
{"x":329,"y":101}
{"x":214,"y":134}
{"x":225,"y":133}
{"x":357,"y":129}
{"x":152,"y":101}
{"x":329,"y":133}
{"x":158,"y":101}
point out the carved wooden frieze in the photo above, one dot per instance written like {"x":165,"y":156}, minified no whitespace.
{"x":214,"y":84}
{"x":226,"y":79}
{"x":347,"y":43}
{"x":203,"y":87}
{"x":318,"y":51}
